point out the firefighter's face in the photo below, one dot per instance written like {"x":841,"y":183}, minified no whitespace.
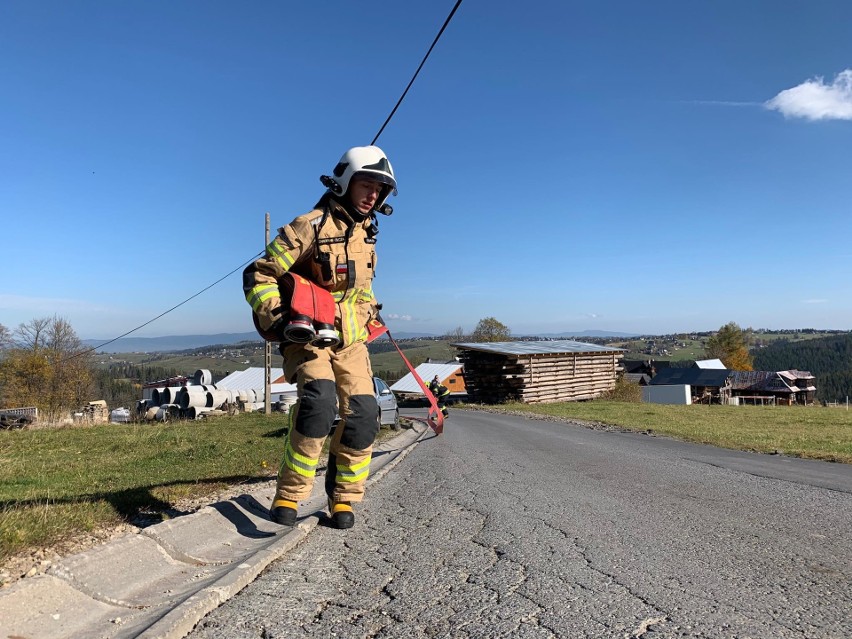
{"x":364,"y":194}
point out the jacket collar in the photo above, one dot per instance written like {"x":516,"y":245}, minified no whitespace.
{"x":342,"y":213}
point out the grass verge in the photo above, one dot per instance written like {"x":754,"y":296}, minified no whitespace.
{"x":811,"y":432}
{"x":61,"y":482}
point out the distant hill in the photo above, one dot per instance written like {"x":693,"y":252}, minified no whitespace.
{"x":170,"y":342}
{"x":185,"y":342}
{"x":406,"y":335}
{"x":587,"y":333}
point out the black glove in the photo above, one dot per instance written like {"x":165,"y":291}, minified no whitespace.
{"x":277,"y":327}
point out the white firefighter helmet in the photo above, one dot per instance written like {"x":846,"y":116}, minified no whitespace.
{"x":362,"y":161}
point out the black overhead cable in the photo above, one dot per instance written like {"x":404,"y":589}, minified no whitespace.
{"x":401,"y":98}
{"x":115,"y":339}
{"x":422,"y":62}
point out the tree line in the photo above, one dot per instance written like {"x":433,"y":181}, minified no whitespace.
{"x":829,"y":359}
{"x":44,"y":364}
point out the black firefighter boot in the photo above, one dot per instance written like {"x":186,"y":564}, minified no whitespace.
{"x":283,"y":512}
{"x":341,"y":514}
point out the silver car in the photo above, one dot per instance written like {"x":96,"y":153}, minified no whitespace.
{"x":388,"y":409}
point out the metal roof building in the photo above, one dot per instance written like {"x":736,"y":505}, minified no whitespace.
{"x":253,"y":379}
{"x":705,"y":385}
{"x":538,"y":372}
{"x":445,"y":373}
{"x":708,"y":377}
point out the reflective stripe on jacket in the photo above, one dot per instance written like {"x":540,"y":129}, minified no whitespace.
{"x":347,"y":271}
{"x":439,"y":390}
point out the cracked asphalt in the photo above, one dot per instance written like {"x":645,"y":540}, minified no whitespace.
{"x":513,"y":527}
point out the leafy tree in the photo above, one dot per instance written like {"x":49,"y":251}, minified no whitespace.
{"x":730,"y":344}
{"x":490,"y":330}
{"x":47,"y":367}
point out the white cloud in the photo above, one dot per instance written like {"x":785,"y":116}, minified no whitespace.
{"x":403,"y":318}
{"x":816,"y":100}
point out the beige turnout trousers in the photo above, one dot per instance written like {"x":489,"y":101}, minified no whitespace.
{"x":327,"y":379}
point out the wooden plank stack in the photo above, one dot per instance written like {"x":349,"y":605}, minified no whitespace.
{"x":493,"y":378}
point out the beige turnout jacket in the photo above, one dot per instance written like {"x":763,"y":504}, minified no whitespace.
{"x":332,"y":250}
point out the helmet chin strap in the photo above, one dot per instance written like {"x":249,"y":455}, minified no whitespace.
{"x":350,"y":208}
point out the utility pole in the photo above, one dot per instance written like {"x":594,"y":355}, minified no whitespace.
{"x":267,"y":352}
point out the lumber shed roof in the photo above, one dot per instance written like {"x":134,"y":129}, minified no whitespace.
{"x":554,"y":347}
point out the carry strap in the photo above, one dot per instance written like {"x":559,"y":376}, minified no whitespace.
{"x":438,"y":423}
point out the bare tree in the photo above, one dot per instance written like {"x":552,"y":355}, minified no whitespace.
{"x":5,"y":338}
{"x":47,"y":368}
{"x":31,"y":335}
{"x":457,"y":334}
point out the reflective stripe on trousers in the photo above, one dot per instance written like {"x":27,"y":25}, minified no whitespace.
{"x":352,"y":442}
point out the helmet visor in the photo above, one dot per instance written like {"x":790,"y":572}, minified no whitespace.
{"x":382,"y":178}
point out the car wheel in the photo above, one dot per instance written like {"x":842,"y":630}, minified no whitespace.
{"x":395,"y":424}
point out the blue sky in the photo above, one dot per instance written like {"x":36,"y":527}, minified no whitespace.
{"x":645,"y":167}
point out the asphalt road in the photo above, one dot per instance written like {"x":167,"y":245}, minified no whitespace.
{"x":510,"y":527}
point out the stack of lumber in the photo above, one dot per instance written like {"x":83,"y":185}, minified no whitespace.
{"x":495,"y":378}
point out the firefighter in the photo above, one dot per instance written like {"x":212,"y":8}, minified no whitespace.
{"x":333,"y":247}
{"x":441,"y":393}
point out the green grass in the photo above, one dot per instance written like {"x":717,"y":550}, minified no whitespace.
{"x":811,"y":432}
{"x":439,"y":351}
{"x":55,"y":483}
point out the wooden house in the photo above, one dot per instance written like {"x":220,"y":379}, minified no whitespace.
{"x":538,"y":372}
{"x":768,"y":387}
